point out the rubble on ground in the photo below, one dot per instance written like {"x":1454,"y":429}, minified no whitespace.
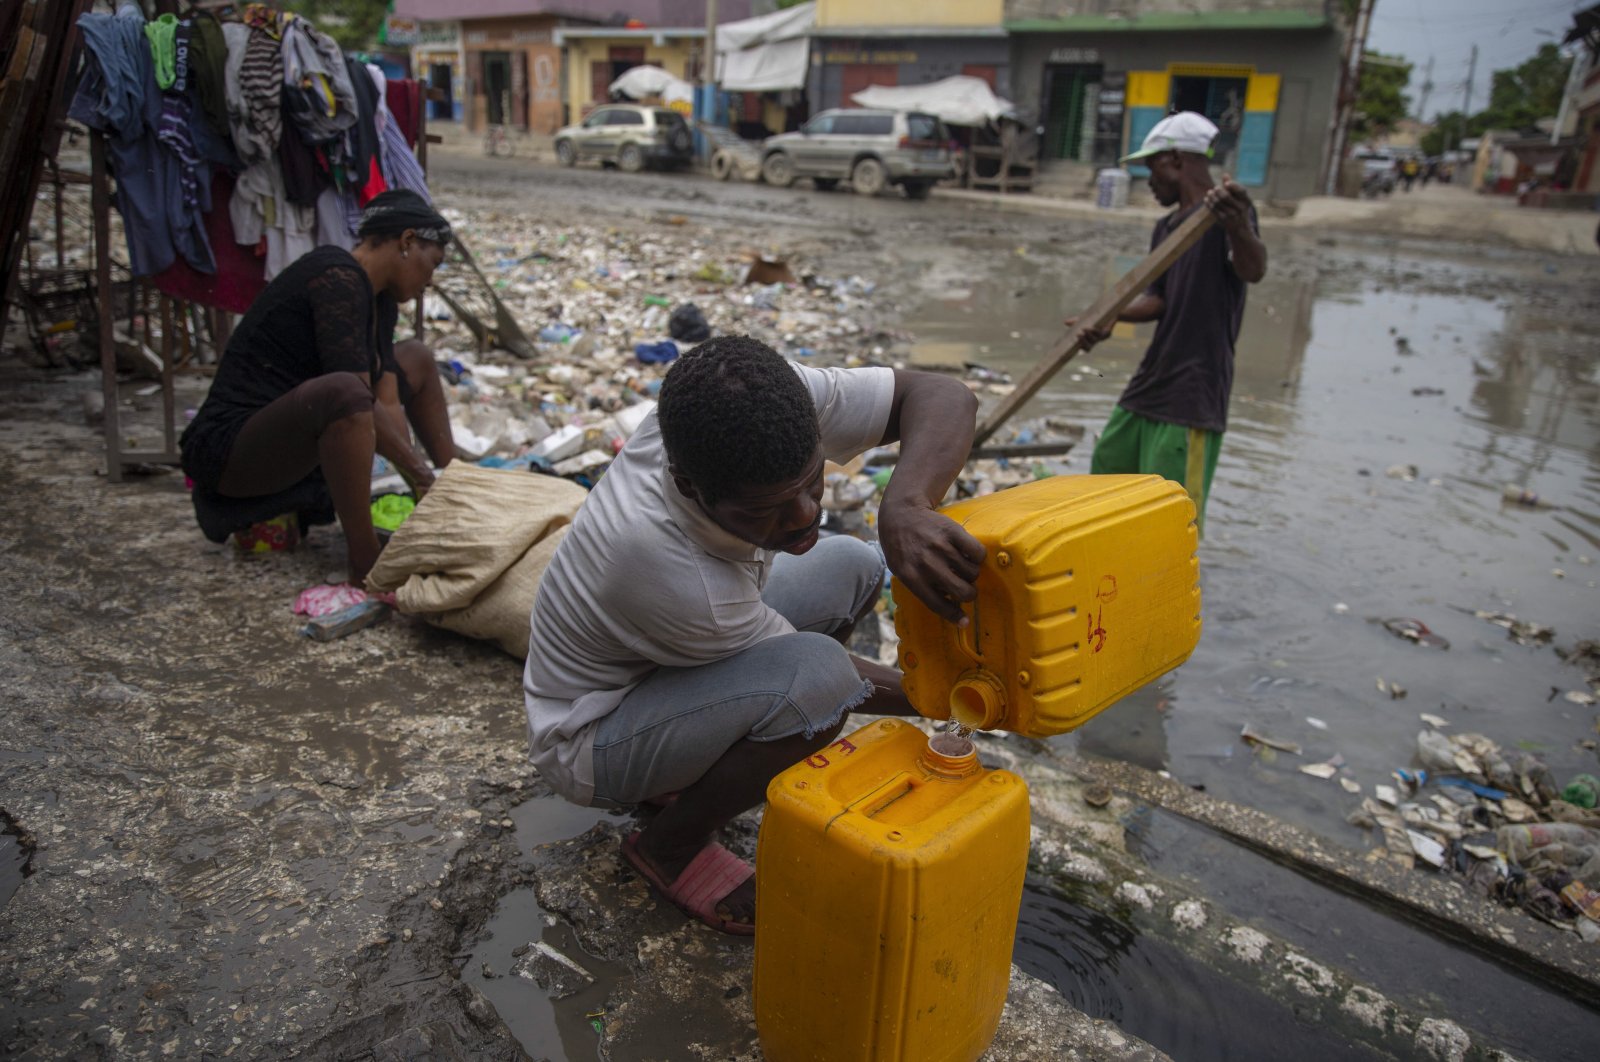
{"x":610,"y":308}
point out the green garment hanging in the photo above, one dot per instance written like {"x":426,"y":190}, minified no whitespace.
{"x":162,"y":34}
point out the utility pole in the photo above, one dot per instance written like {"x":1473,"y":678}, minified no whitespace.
{"x":707,"y":104}
{"x":1349,"y":81}
{"x":1466,"y":95}
{"x":1427,"y":89}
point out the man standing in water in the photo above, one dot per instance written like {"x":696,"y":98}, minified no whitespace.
{"x":1170,"y":418}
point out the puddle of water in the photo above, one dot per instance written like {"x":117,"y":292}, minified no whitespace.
{"x":1415,"y":969}
{"x":1304,"y":517}
{"x":1150,"y":989}
{"x":558,"y":1030}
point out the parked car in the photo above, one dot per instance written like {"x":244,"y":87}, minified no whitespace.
{"x":627,"y":136}
{"x":1379,"y":170}
{"x":873,"y":148}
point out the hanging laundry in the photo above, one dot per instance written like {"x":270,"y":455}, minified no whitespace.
{"x":208,"y":63}
{"x":305,"y":174}
{"x":118,"y":97}
{"x":363,"y":146}
{"x":161,"y":34}
{"x":405,"y":103}
{"x":258,"y":125}
{"x":317,"y":94}
{"x":263,"y":216}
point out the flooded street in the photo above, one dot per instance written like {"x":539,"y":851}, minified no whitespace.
{"x":1380,"y":408}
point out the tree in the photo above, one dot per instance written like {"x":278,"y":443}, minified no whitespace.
{"x":1522,"y":95}
{"x":1449,"y":129}
{"x":353,"y":24}
{"x":1381,"y":100}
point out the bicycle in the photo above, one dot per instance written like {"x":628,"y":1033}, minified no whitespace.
{"x":497,"y":143}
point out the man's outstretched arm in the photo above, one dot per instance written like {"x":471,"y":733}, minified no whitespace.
{"x":934,"y":418}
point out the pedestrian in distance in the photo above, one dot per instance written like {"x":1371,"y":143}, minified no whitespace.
{"x":687,"y":638}
{"x":1171,"y":417}
{"x":311,"y":385}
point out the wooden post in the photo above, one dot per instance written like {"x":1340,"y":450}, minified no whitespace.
{"x":100,"y":201}
{"x":169,"y":401}
{"x":1103,"y":314}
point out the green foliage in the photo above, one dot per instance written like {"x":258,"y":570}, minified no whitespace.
{"x":353,"y":24}
{"x":1448,"y":131}
{"x":1522,"y":95}
{"x":1381,"y":100}
{"x":1518,"y":98}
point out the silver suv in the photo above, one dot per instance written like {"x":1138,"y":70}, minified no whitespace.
{"x":629,"y":137}
{"x":874,"y":149}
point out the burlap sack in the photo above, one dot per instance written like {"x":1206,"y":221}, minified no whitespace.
{"x":469,"y":559}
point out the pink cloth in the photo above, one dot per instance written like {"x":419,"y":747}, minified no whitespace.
{"x":327,"y":598}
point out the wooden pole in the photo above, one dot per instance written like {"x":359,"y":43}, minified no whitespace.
{"x":1103,"y":314}
{"x":101,"y":209}
{"x":169,"y":400}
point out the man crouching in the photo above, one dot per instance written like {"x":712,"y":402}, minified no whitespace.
{"x":688,"y":636}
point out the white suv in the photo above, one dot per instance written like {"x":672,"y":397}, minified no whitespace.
{"x":874,"y":149}
{"x":629,"y":137}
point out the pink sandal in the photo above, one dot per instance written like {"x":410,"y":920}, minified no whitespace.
{"x":711,"y":877}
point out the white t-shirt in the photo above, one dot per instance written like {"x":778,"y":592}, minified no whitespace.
{"x":644,"y":579}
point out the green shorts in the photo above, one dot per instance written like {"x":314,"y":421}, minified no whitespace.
{"x":1131,"y":444}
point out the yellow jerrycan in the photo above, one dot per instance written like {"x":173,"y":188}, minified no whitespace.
{"x":1089,"y":590}
{"x":890,"y":870}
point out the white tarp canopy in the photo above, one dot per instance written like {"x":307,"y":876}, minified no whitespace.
{"x":958,"y":100}
{"x":640,"y":82}
{"x":766,"y":54}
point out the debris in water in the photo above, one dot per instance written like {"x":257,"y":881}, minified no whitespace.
{"x":1393,"y":689}
{"x":1437,"y":722}
{"x":1415,"y":631}
{"x":1254,"y":737}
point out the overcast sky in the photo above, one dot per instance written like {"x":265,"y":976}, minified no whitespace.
{"x":1505,"y":31}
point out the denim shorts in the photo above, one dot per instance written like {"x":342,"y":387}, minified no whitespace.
{"x":671,"y":728}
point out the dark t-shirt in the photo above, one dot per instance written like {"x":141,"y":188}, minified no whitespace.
{"x":1187,"y":374}
{"x":316,"y":317}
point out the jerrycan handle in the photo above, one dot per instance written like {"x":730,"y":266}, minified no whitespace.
{"x":966,"y":637}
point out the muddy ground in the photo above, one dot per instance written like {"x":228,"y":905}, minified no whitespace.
{"x":230,"y":841}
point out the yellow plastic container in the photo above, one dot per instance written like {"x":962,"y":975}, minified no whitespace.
{"x":888,"y":884}
{"x":1090,"y":589}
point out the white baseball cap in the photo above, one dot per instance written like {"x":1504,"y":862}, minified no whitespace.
{"x":1184,"y":131}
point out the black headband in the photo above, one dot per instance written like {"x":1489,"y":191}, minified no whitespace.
{"x":392,"y":213}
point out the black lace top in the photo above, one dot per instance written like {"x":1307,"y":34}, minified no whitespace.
{"x":317,"y":316}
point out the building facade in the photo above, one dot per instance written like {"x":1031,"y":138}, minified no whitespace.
{"x":597,"y":56}
{"x":1099,"y":73}
{"x":904,"y":42}
{"x":499,"y":61}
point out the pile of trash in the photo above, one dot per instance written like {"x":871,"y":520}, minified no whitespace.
{"x":1499,"y":820}
{"x":607,"y":311}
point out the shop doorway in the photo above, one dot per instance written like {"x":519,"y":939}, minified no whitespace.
{"x":439,"y":78}
{"x":1220,"y":99}
{"x":857,"y":76}
{"x":497,"y":86}
{"x":602,"y":72}
{"x":1071,"y":101}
